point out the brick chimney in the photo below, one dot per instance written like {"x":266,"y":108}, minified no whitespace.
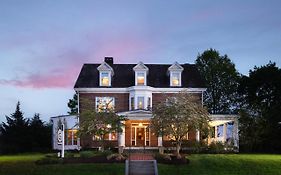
{"x":108,"y":60}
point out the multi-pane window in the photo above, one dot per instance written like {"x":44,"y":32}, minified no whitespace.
{"x":104,"y":79}
{"x":71,"y":136}
{"x":104,"y":104}
{"x":140,"y":78}
{"x":132,"y":103}
{"x":140,"y":102}
{"x":175,"y":79}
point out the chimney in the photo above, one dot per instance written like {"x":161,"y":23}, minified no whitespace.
{"x":108,"y":60}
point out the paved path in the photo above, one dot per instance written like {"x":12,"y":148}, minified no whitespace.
{"x":141,"y":164}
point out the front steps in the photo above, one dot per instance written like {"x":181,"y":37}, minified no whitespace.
{"x":141,"y":167}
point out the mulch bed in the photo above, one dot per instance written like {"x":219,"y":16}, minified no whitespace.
{"x":96,"y":159}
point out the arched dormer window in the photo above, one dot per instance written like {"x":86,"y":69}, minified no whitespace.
{"x":105,"y":74}
{"x":174,"y":72}
{"x":141,"y":72}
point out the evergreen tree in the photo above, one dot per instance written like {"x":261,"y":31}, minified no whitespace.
{"x":14,"y":133}
{"x":73,"y":105}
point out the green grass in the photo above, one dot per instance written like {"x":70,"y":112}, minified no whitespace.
{"x":203,"y":164}
{"x":227,"y":164}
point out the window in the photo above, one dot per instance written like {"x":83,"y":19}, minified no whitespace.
{"x":229,"y":130}
{"x":220,"y":131}
{"x":104,"y":103}
{"x":175,"y":79}
{"x":148,"y":103}
{"x":140,"y":102}
{"x":140,"y":78}
{"x":71,"y":137}
{"x":132,"y":103}
{"x":105,"y":79}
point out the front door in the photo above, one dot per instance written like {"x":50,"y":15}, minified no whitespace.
{"x":140,"y":137}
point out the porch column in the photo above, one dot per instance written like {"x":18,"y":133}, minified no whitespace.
{"x":224,"y":132}
{"x":121,"y":137}
{"x":160,"y":141}
{"x":197,"y":135}
{"x":236,"y":133}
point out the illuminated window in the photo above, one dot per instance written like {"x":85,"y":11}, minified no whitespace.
{"x":104,"y":104}
{"x":71,"y":136}
{"x":175,"y":79}
{"x":104,"y":79}
{"x":140,"y":102}
{"x":140,"y":78}
{"x":132,"y":103}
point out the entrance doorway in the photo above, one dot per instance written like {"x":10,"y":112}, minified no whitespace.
{"x":140,"y":135}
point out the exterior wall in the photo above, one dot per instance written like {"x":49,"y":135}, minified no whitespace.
{"x":121,"y":100}
{"x":159,"y":97}
{"x":88,"y":142}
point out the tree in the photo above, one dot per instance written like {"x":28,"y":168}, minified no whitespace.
{"x":221,"y":79}
{"x":177,"y":116}
{"x":14,"y":133}
{"x":99,"y":124}
{"x":40,"y":134}
{"x":261,"y":104}
{"x":73,"y":105}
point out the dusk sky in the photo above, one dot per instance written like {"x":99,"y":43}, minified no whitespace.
{"x":44,"y":43}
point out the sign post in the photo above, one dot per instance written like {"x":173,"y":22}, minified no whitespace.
{"x":61,"y":139}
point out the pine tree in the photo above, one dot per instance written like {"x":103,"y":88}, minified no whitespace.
{"x":14,"y":133}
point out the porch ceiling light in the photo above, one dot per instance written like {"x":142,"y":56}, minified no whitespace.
{"x":140,"y":124}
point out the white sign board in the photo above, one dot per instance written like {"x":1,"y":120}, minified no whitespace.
{"x":60,"y":132}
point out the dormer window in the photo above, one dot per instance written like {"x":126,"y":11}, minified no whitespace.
{"x":175,"y":78}
{"x":140,"y":78}
{"x":141,"y":72}
{"x":104,"y":79}
{"x":106,"y":73}
{"x":174,"y":71}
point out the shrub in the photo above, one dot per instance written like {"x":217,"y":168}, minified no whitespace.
{"x":48,"y":160}
{"x":216,"y":147}
{"x":162,"y":157}
{"x":87,"y":154}
{"x":116,"y":156}
{"x":69,"y":154}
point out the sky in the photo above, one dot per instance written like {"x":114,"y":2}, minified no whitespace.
{"x":44,"y":43}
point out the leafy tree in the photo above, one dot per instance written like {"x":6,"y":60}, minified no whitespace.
{"x":261,"y":103}
{"x":73,"y":105}
{"x":14,"y":133}
{"x":99,"y":124}
{"x":221,"y":79}
{"x":178,"y":115}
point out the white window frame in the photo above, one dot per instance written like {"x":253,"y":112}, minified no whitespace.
{"x":171,"y":78}
{"x":143,"y":104}
{"x":96,"y":102}
{"x":136,"y":78}
{"x":109,"y":78}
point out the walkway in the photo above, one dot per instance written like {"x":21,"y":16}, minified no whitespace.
{"x":141,"y":164}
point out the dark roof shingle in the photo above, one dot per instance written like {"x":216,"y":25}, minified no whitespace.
{"x":124,"y":76}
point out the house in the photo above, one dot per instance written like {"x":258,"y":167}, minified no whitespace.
{"x":133,"y":89}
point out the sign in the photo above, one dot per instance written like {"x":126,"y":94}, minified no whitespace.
{"x":60,"y":136}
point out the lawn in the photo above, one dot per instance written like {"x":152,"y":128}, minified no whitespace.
{"x":203,"y":164}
